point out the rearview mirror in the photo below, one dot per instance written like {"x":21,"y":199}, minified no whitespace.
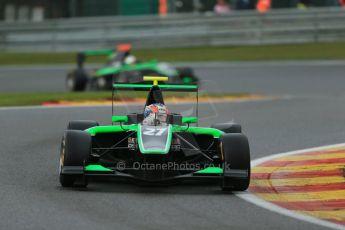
{"x":119,"y":119}
{"x":189,"y":120}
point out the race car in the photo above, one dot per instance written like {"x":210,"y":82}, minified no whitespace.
{"x":155,"y":145}
{"x":122,"y":67}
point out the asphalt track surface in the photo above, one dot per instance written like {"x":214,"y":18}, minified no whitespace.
{"x":310,"y":113}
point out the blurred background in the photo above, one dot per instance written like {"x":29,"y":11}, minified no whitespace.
{"x":38,"y":10}
{"x":72,"y":25}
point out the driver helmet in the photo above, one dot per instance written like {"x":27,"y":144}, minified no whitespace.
{"x":130,"y":59}
{"x":155,"y":114}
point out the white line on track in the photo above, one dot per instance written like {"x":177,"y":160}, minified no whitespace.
{"x":274,"y":208}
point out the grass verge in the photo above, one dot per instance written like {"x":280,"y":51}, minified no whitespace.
{"x":27,"y":99}
{"x":308,"y":51}
{"x":23,"y":99}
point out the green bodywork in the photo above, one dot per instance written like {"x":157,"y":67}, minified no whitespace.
{"x":97,"y":168}
{"x":119,"y":119}
{"x":199,"y":130}
{"x":111,"y":129}
{"x":150,"y":65}
{"x":189,"y":120}
{"x":105,"y":52}
{"x":159,"y":151}
{"x":211,"y":170}
{"x":135,"y":127}
{"x":100,"y":168}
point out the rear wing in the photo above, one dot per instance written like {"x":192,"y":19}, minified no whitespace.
{"x":121,"y":48}
{"x":81,"y":56}
{"x":146,"y":87}
{"x":155,"y":80}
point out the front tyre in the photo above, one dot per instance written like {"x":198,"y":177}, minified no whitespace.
{"x":74,"y":153}
{"x":104,"y":83}
{"x":81,"y":125}
{"x":236,"y":162}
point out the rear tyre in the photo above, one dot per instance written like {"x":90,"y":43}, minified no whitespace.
{"x":187,"y":75}
{"x":81,"y":125}
{"x":236,"y":162}
{"x":228,"y":127}
{"x":74,"y":154}
{"x":104,"y":83}
{"x":77,"y":80}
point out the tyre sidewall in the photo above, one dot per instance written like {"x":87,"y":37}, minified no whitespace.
{"x":77,"y":148}
{"x":236,"y":156}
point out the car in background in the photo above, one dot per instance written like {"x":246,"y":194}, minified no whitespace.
{"x":123,"y":67}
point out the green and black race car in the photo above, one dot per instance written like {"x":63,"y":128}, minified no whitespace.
{"x":122,"y":67}
{"x":155,"y":145}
